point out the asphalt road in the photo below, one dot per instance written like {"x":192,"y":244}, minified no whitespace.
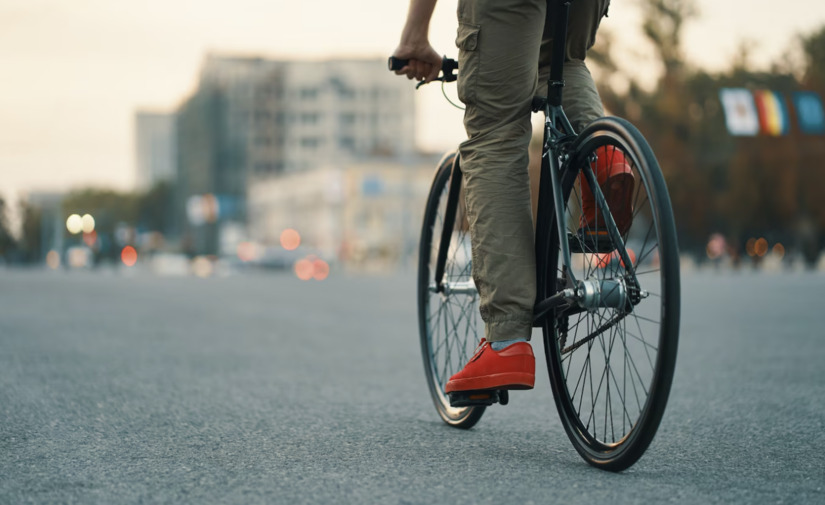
{"x":266,"y":389}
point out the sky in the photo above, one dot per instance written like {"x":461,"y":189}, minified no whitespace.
{"x":73,"y":73}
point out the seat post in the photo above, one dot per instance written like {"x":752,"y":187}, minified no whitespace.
{"x":559,"y":10}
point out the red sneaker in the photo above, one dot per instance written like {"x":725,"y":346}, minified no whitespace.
{"x":616,"y":181}
{"x":513,"y":367}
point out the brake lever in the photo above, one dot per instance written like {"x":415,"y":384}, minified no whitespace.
{"x":421,"y":83}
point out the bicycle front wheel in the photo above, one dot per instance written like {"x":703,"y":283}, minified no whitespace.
{"x":611,"y":368}
{"x":448,"y":318}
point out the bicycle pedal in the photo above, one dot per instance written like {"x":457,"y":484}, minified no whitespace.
{"x":590,"y":242}
{"x":479,"y":398}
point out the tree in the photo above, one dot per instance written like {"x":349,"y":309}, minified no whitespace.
{"x":31,"y":247}
{"x":813,"y":49}
{"x":155,"y":207}
{"x":662,"y":24}
{"x":7,"y":242}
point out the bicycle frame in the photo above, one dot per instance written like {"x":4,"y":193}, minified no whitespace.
{"x":558,"y":136}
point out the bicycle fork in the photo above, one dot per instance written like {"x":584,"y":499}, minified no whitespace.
{"x":446,"y":235}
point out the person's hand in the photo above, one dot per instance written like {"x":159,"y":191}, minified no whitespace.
{"x":424,"y":63}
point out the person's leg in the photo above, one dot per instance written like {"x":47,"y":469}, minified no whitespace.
{"x":583,"y":105}
{"x":580,"y":98}
{"x":498,"y":44}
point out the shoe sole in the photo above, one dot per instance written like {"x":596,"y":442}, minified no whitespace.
{"x":508,"y":380}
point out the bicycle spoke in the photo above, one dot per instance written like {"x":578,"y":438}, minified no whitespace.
{"x":645,"y":318}
{"x":641,"y":333}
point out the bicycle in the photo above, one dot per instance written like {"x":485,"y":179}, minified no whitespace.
{"x":608,"y":306}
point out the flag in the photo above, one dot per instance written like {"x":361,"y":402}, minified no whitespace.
{"x":740,"y":111}
{"x":773,"y":113}
{"x":809,"y":112}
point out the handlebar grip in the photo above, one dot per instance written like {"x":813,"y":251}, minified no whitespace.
{"x":397,"y":63}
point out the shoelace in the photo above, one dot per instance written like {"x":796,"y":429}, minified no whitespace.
{"x":479,"y":348}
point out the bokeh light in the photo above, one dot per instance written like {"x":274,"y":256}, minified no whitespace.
{"x":290,"y":239}
{"x":304,"y":269}
{"x":74,"y":224}
{"x":248,"y":251}
{"x":750,"y":247}
{"x":129,"y":256}
{"x":779,"y":250}
{"x":716,"y":246}
{"x":760,"y":247}
{"x":320,"y":269}
{"x":77,"y":257}
{"x":53,"y":259}
{"x":87,"y":223}
{"x":90,"y":238}
{"x":202,"y":267}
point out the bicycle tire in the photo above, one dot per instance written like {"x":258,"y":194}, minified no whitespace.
{"x":592,"y":426}
{"x":448,"y":323}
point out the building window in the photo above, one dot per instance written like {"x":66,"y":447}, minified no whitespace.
{"x":347,"y":143}
{"x":309,"y":94}
{"x":310,"y":118}
{"x":310,"y":142}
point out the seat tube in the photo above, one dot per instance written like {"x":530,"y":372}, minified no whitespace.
{"x":558,"y":201}
{"x":560,"y":11}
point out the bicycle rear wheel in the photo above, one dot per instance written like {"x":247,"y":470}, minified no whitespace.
{"x":611,"y":368}
{"x":449,"y":320}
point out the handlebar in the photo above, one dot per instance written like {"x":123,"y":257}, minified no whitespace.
{"x":448,"y":68}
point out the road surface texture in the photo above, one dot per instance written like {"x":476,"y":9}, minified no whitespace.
{"x":264,"y":389}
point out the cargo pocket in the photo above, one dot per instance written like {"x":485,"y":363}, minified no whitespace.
{"x":468,"y":61}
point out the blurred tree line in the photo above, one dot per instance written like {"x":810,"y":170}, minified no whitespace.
{"x":7,"y":242}
{"x":738,"y":186}
{"x":139,"y":211}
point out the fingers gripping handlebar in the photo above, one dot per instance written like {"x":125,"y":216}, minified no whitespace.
{"x":448,"y":68}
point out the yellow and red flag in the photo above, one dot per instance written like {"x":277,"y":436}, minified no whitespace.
{"x":773,"y":113}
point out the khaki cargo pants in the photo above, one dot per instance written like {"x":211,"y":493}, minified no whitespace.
{"x":499,"y":45}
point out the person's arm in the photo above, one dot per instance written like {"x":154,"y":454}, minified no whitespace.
{"x":415,"y":44}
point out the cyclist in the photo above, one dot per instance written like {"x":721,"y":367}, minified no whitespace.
{"x":504,"y":50}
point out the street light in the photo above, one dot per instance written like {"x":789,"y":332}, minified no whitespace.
{"x":88,"y":223}
{"x":75,"y":224}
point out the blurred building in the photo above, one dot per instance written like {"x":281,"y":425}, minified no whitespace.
{"x":367,"y":213}
{"x":52,"y":223}
{"x":254,"y":119}
{"x":155,"y":148}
